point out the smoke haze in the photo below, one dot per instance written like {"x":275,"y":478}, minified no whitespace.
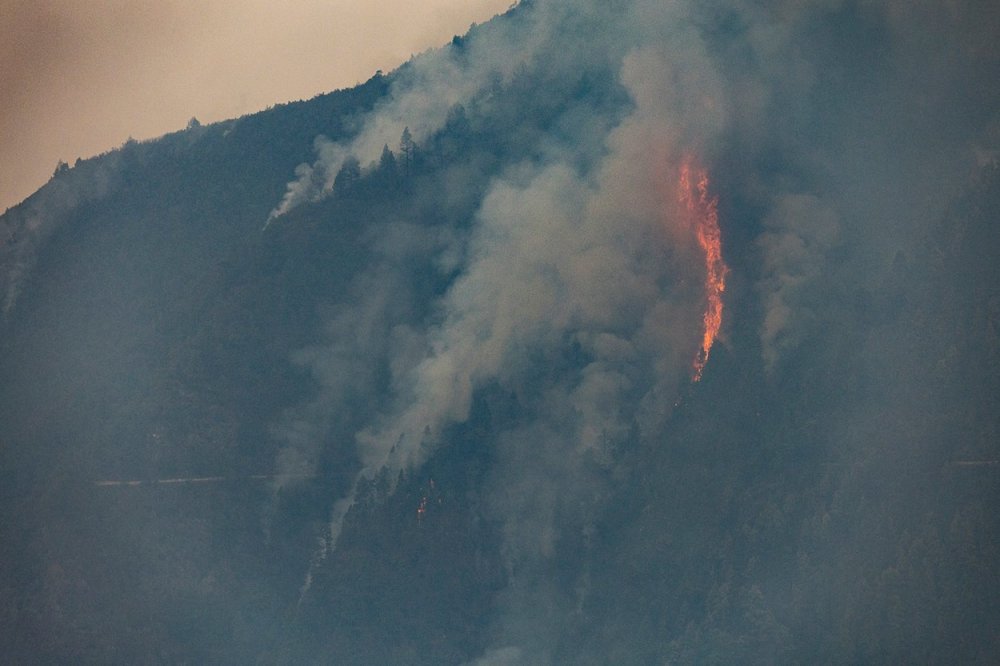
{"x":512,"y":302}
{"x":586,"y":248}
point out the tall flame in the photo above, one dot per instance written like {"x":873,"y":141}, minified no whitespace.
{"x":703,"y":212}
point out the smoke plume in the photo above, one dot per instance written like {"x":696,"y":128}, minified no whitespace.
{"x":584,"y":251}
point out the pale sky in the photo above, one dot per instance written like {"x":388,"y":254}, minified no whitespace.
{"x":78,"y":77}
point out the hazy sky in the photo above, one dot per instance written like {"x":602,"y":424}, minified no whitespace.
{"x":78,"y":77}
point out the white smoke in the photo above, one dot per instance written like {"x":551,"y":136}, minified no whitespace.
{"x":420,"y":98}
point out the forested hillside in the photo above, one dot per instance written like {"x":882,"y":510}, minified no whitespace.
{"x":403,"y":373}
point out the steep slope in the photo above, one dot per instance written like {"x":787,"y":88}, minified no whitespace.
{"x":415,"y":372}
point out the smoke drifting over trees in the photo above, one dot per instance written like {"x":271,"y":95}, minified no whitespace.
{"x":459,"y":354}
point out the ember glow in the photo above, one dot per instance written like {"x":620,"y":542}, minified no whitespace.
{"x":703,"y":214}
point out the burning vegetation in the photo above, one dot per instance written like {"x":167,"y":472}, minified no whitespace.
{"x":702,"y":213}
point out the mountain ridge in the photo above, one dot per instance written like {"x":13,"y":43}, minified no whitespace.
{"x":430,"y":375}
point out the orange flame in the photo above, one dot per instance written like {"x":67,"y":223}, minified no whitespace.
{"x":704,"y":214}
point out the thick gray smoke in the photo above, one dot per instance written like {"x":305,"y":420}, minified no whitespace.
{"x":597,"y":258}
{"x":490,"y":445}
